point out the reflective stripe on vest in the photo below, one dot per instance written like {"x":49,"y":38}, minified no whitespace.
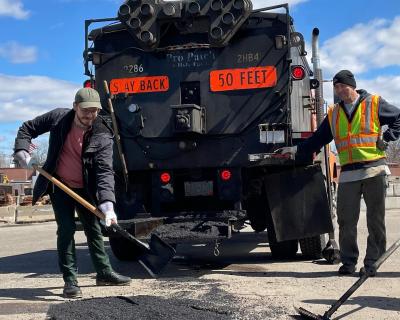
{"x":356,"y":140}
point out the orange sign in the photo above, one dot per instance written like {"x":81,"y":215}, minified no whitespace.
{"x":139,"y":84}
{"x":243,"y":78}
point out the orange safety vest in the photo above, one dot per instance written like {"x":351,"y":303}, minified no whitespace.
{"x":356,"y":140}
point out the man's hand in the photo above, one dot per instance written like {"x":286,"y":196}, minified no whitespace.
{"x":288,"y":150}
{"x":107,"y":208}
{"x":23,"y":158}
{"x":382,"y":144}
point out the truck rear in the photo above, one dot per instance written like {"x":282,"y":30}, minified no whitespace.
{"x":202,"y":94}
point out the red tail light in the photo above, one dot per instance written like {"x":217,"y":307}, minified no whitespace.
{"x":165,"y":177}
{"x":298,"y":73}
{"x":226,"y":175}
{"x":89,"y":83}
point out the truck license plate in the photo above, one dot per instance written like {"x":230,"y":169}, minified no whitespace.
{"x":198,"y":188}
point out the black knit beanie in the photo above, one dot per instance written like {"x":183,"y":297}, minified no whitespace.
{"x":345,"y":77}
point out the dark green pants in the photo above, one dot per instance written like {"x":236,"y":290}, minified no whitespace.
{"x":64,"y":209}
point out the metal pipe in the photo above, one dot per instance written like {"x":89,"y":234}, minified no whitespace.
{"x":319,"y":102}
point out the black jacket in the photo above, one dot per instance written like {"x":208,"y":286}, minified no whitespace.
{"x":388,"y":115}
{"x":97,"y":152}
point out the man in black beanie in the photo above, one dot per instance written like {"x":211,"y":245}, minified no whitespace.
{"x":345,"y":77}
{"x":355,"y":124}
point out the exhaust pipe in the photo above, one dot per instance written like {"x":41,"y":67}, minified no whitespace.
{"x":331,"y":250}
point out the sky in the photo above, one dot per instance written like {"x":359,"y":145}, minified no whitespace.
{"x":42,"y":41}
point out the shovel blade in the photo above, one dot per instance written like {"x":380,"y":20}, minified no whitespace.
{"x":331,"y":252}
{"x":159,"y":255}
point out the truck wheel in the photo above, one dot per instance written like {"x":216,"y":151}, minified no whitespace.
{"x":284,"y":249}
{"x":311,"y":248}
{"x":256,"y":208}
{"x":124,"y":249}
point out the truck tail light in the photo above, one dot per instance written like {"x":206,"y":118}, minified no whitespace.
{"x":298,"y":72}
{"x":89,"y":83}
{"x":165,"y":177}
{"x":226,"y":175}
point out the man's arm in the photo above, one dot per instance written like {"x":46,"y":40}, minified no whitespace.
{"x":321,"y":137}
{"x":32,"y":129}
{"x":103,"y":162}
{"x":389,"y":115}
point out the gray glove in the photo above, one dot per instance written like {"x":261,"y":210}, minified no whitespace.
{"x":23,"y":158}
{"x":107,"y":207}
{"x":381,"y":144}
{"x":288,"y":150}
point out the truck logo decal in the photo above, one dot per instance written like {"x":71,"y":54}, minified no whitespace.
{"x":243,"y":78}
{"x":139,"y":84}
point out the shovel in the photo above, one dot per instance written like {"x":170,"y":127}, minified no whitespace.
{"x":156,"y":255}
{"x":327,"y":315}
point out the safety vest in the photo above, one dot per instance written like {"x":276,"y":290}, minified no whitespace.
{"x":356,"y":140}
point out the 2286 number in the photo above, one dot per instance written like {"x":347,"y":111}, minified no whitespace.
{"x":133,"y":68}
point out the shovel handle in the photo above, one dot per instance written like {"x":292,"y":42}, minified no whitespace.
{"x":71,"y":193}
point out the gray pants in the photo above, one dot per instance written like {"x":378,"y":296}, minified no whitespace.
{"x":348,"y":211}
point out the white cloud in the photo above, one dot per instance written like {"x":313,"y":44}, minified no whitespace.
{"x":17,"y":53}
{"x":13,"y":8}
{"x":23,"y":98}
{"x":364,"y":47}
{"x":386,"y":86}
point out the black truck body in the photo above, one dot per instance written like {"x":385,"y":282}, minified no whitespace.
{"x":203,"y":93}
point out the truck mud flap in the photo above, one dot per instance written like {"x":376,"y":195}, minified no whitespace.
{"x":298,"y":203}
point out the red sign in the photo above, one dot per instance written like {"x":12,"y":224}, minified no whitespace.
{"x":139,"y":84}
{"x":243,"y":78}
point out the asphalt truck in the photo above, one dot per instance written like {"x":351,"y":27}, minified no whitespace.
{"x":200,"y":94}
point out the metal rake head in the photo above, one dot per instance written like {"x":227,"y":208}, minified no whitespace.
{"x":305,"y":314}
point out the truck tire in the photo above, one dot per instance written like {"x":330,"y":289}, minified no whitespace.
{"x":124,"y":249}
{"x":256,"y":208}
{"x":311,"y":248}
{"x":284,"y":249}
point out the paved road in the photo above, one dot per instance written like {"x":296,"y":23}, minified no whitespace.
{"x":244,"y":282}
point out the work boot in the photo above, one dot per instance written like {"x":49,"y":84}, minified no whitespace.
{"x":347,"y":269}
{"x":71,"y":290}
{"x":370,"y":271}
{"x":112,"y":279}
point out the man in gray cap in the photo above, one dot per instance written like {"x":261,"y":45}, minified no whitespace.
{"x":355,"y":125}
{"x":80,"y":155}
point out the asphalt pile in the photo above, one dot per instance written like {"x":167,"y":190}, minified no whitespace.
{"x":198,"y":230}
{"x":138,"y":308}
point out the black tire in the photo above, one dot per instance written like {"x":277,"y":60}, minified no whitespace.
{"x":284,"y":249}
{"x":256,"y":208}
{"x":312,"y":247}
{"x":124,"y":249}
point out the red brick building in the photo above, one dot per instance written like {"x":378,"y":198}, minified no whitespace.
{"x":16,"y":174}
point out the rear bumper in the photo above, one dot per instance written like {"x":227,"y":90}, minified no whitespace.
{"x":186,"y":227}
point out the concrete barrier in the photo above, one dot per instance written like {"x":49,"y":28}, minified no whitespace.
{"x":40,"y":213}
{"x":7,"y":214}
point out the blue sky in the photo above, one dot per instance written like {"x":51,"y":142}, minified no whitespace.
{"x":42,"y":41}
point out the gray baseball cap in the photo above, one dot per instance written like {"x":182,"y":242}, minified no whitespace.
{"x":88,"y":98}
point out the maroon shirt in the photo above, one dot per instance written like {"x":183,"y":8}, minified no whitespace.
{"x":69,"y":167}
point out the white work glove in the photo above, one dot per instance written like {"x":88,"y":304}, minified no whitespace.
{"x":288,"y":150}
{"x":107,"y":207}
{"x":23,"y":158}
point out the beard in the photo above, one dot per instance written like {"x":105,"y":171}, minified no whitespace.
{"x":85,"y":122}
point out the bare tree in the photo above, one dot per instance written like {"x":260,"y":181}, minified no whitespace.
{"x":40,"y":153}
{"x":393,"y":152}
{"x":4,"y":160}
